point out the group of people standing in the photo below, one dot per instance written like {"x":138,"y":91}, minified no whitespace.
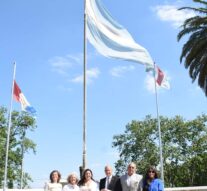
{"x":128,"y":182}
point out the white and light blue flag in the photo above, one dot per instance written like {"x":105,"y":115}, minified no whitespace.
{"x":110,"y":38}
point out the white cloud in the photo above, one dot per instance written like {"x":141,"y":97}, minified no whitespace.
{"x":64,"y":89}
{"x":120,"y":70}
{"x":61,"y":65}
{"x":170,"y":13}
{"x":91,"y":74}
{"x":77,"y":58}
{"x":150,"y":84}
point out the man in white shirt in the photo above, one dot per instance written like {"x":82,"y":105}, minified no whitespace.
{"x":130,"y":181}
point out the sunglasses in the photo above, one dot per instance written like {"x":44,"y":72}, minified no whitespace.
{"x":151,"y":171}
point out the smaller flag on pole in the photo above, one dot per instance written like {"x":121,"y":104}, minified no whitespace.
{"x":19,"y":97}
{"x":160,"y":77}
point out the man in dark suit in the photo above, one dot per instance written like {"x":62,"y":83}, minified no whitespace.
{"x":108,"y":183}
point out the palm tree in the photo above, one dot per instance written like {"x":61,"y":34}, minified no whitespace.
{"x":194,"y":51}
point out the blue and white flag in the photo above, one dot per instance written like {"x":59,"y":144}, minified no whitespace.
{"x":110,"y":38}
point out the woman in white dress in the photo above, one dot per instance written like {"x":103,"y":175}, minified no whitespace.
{"x":54,"y":184}
{"x":72,"y":183}
{"x":87,"y":183}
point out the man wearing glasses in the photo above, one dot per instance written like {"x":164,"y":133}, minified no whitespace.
{"x":130,"y":181}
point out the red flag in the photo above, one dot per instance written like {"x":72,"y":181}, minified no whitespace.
{"x":160,"y":76}
{"x":16,"y":93}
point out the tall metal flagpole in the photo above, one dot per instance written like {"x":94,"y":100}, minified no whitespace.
{"x":84,"y":88}
{"x":8,"y":132}
{"x":159,"y":129}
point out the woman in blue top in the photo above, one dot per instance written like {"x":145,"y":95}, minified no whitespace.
{"x":151,"y":181}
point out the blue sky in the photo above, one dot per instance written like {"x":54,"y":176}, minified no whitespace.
{"x":45,"y":38}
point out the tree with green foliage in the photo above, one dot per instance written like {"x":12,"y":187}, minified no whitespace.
{"x":195,"y":49}
{"x":19,"y":145}
{"x":184,"y":149}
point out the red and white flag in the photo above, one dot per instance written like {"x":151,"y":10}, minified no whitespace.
{"x":19,"y":97}
{"x":161,"y":78}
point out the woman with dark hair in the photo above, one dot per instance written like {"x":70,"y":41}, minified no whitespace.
{"x":87,"y":183}
{"x":151,"y":181}
{"x":54,"y":184}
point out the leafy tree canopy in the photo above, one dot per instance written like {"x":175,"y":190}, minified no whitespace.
{"x":184,"y":149}
{"x":18,"y":145}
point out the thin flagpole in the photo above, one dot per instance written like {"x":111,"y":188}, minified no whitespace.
{"x":84,"y":88}
{"x":159,"y":129}
{"x":8,"y":132}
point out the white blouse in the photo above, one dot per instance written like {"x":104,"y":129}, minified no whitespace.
{"x":70,"y":187}
{"x":53,"y":187}
{"x":93,"y":186}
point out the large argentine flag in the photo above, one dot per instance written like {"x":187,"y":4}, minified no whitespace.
{"x":110,"y":38}
{"x":19,"y":97}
